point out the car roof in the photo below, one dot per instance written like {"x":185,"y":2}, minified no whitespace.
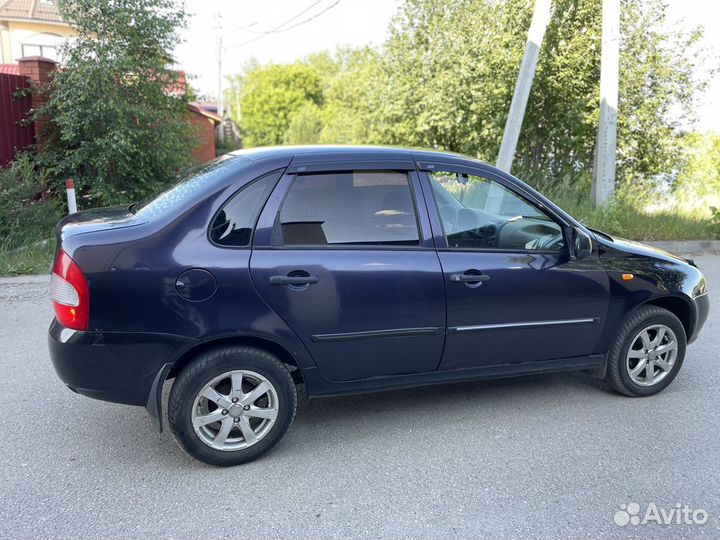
{"x":359,"y":152}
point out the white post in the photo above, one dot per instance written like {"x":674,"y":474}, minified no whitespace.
{"x":540,"y":19}
{"x":603,"y":184}
{"x":72,"y":202}
{"x":220,"y":102}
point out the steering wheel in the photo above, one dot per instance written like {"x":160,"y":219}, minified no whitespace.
{"x":548,"y":241}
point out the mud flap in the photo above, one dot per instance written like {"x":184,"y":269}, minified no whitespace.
{"x":154,"y":402}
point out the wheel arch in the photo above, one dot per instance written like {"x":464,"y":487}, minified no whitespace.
{"x":245,"y":340}
{"x":171,"y":370}
{"x":679,"y":306}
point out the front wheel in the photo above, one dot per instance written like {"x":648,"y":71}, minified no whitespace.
{"x":231,"y":405}
{"x":648,"y":352}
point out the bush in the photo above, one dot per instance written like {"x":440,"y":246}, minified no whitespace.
{"x":28,"y":211}
{"x":116,"y":118}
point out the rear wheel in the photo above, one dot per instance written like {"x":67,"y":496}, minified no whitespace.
{"x":648,"y":352}
{"x":232,"y":405}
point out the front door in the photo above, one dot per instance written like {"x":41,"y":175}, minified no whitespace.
{"x":514,"y":294}
{"x":350,"y":267}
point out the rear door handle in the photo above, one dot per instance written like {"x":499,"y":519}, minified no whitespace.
{"x":293,"y":280}
{"x":476,"y":279}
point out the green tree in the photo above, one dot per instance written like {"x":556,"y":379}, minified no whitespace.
{"x":451,"y":67}
{"x":305,"y":125}
{"x":699,"y":177}
{"x":445,"y":78}
{"x":113,"y":124}
{"x":270,"y":95}
{"x":352,"y":99}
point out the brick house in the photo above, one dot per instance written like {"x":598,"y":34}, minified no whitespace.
{"x":31,"y":28}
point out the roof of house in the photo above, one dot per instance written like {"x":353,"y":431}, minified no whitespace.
{"x":10,"y":69}
{"x":195,"y":107}
{"x":38,"y":10}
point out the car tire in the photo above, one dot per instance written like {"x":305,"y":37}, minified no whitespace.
{"x":635,"y":365}
{"x":232,"y":405}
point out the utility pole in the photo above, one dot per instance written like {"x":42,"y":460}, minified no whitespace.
{"x":220,"y":99}
{"x":603,"y":183}
{"x":540,"y":19}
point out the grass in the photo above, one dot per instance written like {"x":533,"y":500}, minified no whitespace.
{"x":637,"y":221}
{"x":32,"y":259}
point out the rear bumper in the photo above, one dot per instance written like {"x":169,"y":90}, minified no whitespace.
{"x":112,"y":366}
{"x":702,"y":309}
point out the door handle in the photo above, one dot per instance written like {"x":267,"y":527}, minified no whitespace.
{"x":468,"y":278}
{"x":293,"y":280}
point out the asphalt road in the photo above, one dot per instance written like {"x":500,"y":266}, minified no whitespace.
{"x":551,"y":456}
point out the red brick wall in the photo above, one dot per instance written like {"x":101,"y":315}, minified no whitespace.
{"x":205,"y":132}
{"x":40,"y":71}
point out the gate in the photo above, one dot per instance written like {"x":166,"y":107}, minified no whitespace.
{"x":16,"y":133}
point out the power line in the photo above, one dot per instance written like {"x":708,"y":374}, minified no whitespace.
{"x":278,"y":27}
{"x":247,"y":28}
{"x":282,"y":27}
{"x":313,"y":17}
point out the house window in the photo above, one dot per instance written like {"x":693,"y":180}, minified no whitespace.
{"x":46,"y":51}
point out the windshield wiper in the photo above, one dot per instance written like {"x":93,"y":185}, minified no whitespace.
{"x":133,"y":207}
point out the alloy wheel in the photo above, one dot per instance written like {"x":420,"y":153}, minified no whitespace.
{"x":235,"y":410}
{"x":651,"y":355}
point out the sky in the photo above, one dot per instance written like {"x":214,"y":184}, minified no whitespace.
{"x":320,"y":25}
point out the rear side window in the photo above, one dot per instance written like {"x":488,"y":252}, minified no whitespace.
{"x":233,"y":225}
{"x":361,"y":208}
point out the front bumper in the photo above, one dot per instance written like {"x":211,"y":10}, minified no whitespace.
{"x":702,"y":309}
{"x":113,"y":366}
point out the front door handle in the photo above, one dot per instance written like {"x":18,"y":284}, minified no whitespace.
{"x":471,"y":278}
{"x":293,"y":280}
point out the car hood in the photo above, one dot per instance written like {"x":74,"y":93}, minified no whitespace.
{"x":635,"y":248}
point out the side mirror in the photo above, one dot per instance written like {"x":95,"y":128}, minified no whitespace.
{"x":580,"y":244}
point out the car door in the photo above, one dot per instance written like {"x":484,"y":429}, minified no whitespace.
{"x":345,"y":257}
{"x":514,"y":293}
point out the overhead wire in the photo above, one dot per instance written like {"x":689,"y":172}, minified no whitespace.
{"x":283,"y":28}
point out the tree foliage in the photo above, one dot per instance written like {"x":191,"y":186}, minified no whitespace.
{"x":269,"y":97}
{"x":113,"y":124}
{"x":700,"y":174}
{"x":445,"y":77}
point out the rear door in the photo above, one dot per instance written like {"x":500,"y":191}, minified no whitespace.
{"x":346,"y":258}
{"x":514,"y":294}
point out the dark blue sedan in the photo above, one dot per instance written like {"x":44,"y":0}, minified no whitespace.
{"x":341,"y":270}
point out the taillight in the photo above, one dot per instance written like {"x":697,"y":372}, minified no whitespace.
{"x":70,"y":293}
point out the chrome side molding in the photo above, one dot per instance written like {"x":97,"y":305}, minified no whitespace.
{"x":521,"y":324}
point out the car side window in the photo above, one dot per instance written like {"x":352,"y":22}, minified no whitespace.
{"x":479,"y":213}
{"x":360,"y":208}
{"x":233,"y":225}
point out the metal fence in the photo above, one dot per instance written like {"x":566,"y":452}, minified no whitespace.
{"x":16,"y":133}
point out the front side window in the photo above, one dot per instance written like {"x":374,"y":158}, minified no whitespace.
{"x":478,"y":213}
{"x":234,"y":224}
{"x":360,"y":208}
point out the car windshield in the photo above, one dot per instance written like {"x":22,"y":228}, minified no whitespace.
{"x":187,"y":188}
